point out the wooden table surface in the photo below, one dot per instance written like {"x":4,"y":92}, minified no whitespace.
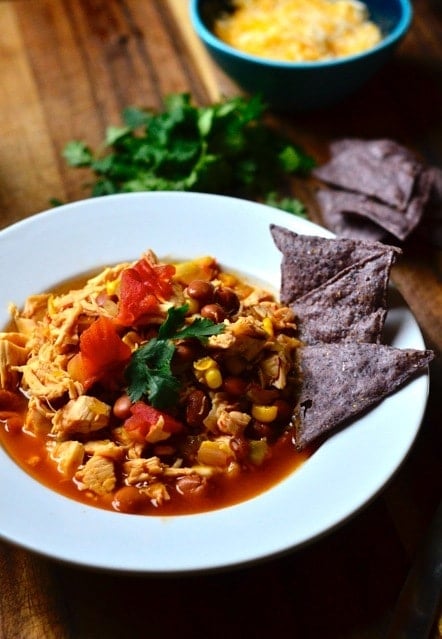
{"x":67,"y":68}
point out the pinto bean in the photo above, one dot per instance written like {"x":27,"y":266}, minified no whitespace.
{"x":259,"y":395}
{"x":258,"y":430}
{"x":128,"y":499}
{"x":227,"y":299}
{"x":192,"y":486}
{"x":121,"y":408}
{"x":235,"y":364}
{"x":240,"y":447}
{"x":197,"y":408}
{"x":285,"y":411}
{"x":200,"y":290}
{"x":214,"y":312}
{"x":185,"y":353}
{"x":189,"y":448}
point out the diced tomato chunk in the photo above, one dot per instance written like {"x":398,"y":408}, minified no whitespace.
{"x":142,"y":288}
{"x":102,"y":353}
{"x":150,"y":424}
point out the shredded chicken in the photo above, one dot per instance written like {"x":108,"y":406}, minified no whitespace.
{"x":105,"y":448}
{"x":38,"y":418}
{"x":69,"y":456}
{"x":72,"y":395}
{"x":233,"y":422}
{"x":84,"y":415}
{"x":142,"y":470}
{"x":13,"y":353}
{"x":97,"y":475}
{"x":157,"y":493}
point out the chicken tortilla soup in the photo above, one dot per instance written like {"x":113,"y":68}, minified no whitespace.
{"x":152,"y":388}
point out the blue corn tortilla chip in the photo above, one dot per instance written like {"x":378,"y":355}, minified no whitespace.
{"x":381,"y":148}
{"x":376,"y":187}
{"x":309,"y":261}
{"x":337,"y":215}
{"x":351,"y":306}
{"x":337,"y":205}
{"x":338,"y":290}
{"x":386,"y":173}
{"x":341,"y":381}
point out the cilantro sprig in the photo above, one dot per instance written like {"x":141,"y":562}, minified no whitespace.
{"x":287,"y":204}
{"x":221,"y":148}
{"x":149,"y":372}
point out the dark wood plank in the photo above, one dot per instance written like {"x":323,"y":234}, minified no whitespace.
{"x":31,"y":605}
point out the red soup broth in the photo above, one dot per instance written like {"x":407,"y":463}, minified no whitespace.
{"x":29,"y":451}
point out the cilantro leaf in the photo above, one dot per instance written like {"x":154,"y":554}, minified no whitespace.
{"x":134,"y":117}
{"x":293,"y":160}
{"x":77,"y":154}
{"x":201,"y":328}
{"x":163,"y":389}
{"x":149,"y":373}
{"x":173,"y":322}
{"x":288,"y":204}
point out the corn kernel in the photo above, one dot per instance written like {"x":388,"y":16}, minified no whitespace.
{"x":204,"y":364}
{"x":213,"y":378}
{"x":193,"y":305}
{"x":111,"y":287}
{"x":203,"y":268}
{"x":132,"y":339}
{"x":267,"y":325}
{"x":264,"y":413}
{"x":216,"y":453}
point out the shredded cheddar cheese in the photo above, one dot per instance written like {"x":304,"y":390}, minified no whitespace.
{"x":298,"y":30}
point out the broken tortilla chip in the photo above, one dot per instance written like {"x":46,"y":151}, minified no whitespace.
{"x":375,"y":187}
{"x":361,"y":167}
{"x":381,"y":148}
{"x":337,"y":215}
{"x":398,"y":223}
{"x":340,"y":381}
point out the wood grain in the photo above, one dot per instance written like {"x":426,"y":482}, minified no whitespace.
{"x":67,"y":68}
{"x":30,"y":605}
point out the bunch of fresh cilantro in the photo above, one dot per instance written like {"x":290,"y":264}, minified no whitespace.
{"x":222,"y":148}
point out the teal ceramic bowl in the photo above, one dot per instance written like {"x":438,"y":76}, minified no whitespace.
{"x":303,"y":85}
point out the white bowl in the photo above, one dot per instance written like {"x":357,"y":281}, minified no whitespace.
{"x":345,"y":473}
